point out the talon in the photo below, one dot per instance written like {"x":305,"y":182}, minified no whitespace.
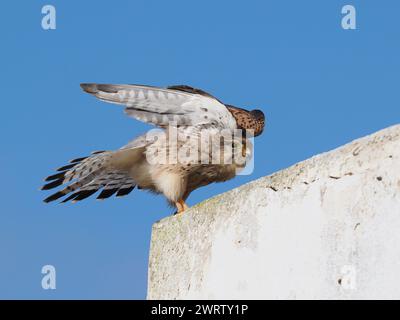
{"x":181,"y":206}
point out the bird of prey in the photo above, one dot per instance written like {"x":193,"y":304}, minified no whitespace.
{"x":189,"y":111}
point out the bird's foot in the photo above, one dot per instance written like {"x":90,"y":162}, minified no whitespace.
{"x":181,"y":206}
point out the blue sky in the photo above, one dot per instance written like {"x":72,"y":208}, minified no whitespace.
{"x":320,"y":86}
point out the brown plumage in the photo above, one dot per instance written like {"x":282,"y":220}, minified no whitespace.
{"x":186,"y":115}
{"x":253,"y":120}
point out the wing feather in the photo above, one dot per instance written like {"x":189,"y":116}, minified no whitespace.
{"x":163,"y":106}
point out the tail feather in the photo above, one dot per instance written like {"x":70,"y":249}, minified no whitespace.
{"x":54,"y":196}
{"x":86,"y":176}
{"x":55,"y":176}
{"x":106,"y":193}
{"x":53,"y":184}
{"x":124,"y":191}
{"x":67,"y":167}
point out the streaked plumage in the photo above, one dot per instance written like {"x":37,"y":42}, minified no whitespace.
{"x":188,"y":110}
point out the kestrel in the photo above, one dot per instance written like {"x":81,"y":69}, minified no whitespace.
{"x":188,"y":113}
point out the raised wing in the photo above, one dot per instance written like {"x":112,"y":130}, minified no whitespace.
{"x":165,"y":106}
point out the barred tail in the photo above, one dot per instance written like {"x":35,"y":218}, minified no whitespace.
{"x":85,"y":176}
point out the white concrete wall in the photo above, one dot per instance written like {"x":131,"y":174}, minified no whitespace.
{"x":325,"y":228}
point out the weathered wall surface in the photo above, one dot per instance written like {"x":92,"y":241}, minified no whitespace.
{"x":325,"y":228}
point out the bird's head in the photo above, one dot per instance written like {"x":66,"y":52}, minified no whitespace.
{"x":248,"y":120}
{"x":259,"y":119}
